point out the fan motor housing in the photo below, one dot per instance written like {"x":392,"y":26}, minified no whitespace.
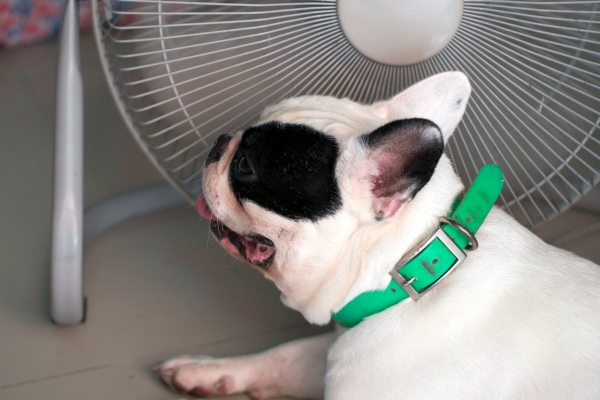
{"x":399,"y":32}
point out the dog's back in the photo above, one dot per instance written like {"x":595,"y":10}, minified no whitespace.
{"x":517,"y":320}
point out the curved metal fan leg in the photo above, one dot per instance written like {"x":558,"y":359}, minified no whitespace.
{"x":67,"y":302}
{"x":125,"y":206}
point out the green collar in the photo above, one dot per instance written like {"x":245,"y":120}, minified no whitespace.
{"x":436,"y":256}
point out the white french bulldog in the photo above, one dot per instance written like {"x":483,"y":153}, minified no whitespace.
{"x":324,"y":196}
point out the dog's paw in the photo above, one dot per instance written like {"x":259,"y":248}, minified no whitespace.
{"x":200,"y":376}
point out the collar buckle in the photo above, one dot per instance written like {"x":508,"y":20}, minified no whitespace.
{"x":407,"y":283}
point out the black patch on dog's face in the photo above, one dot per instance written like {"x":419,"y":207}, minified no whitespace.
{"x":288,"y":169}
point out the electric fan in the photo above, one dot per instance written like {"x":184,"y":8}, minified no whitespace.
{"x":185,"y":71}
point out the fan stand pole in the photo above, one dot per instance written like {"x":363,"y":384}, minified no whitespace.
{"x":67,"y":302}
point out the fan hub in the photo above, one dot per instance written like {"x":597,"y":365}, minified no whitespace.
{"x":399,"y":32}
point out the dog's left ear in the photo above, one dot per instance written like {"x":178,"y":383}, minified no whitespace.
{"x":441,"y":98}
{"x":398,"y":160}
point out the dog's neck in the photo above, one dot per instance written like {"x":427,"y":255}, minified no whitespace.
{"x":434,"y":258}
{"x":391,"y":241}
{"x":384,"y":244}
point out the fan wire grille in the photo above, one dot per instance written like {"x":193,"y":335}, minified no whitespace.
{"x":184,"y":72}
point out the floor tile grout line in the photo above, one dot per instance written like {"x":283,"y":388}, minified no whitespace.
{"x":111,"y":364}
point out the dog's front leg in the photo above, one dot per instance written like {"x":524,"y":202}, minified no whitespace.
{"x":296,"y":369}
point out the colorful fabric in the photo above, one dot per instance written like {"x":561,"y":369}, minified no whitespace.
{"x":29,"y":21}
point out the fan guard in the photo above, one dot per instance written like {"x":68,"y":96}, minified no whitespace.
{"x":184,"y":72}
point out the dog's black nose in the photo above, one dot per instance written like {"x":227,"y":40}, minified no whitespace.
{"x":218,"y":148}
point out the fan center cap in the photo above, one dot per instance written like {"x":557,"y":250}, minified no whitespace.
{"x":399,"y":32}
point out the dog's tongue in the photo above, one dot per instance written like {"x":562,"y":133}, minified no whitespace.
{"x":203,"y":209}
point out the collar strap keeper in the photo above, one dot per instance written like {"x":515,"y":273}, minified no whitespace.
{"x":436,"y":256}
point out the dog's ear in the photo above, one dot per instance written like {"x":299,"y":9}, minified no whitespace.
{"x":441,"y":98}
{"x":398,"y":159}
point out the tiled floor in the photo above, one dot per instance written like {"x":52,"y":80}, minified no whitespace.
{"x":156,"y":286}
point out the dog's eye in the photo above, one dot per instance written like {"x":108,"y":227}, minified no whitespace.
{"x":243,"y":166}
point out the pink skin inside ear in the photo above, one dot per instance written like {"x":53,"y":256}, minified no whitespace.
{"x":244,"y":247}
{"x":387,"y":207}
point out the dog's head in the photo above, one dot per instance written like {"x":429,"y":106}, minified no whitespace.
{"x":318,"y":185}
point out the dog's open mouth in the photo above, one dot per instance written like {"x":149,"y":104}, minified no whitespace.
{"x":255,"y":249}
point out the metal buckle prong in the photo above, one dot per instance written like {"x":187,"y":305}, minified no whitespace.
{"x":406,"y":284}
